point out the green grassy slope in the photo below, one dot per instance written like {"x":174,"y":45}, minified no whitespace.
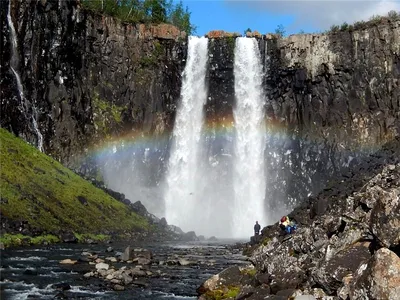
{"x":37,"y":189}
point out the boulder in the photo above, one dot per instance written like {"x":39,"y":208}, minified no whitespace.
{"x":68,"y":261}
{"x":30,"y":272}
{"x":330,"y":273}
{"x":163,"y":222}
{"x":88,"y":275}
{"x":136,"y":272}
{"x":254,"y":293}
{"x":118,"y":287}
{"x":61,"y":286}
{"x":283,"y":280}
{"x":185,"y":262}
{"x":385,"y":216}
{"x":68,"y":237}
{"x":126,"y":278}
{"x":140,"y":283}
{"x":130,"y":254}
{"x":139,"y":208}
{"x":228,"y":277}
{"x":255,"y":239}
{"x":102,"y":266}
{"x":379,"y":278}
{"x":189,"y":236}
{"x":143,"y":261}
{"x":111,"y":259}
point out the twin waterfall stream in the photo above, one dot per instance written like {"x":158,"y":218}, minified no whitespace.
{"x":188,"y":204}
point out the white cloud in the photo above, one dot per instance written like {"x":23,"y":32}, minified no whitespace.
{"x":324,"y":13}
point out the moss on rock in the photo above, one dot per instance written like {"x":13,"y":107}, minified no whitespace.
{"x":106,"y":115}
{"x":225,"y":292}
{"x":251,"y":272}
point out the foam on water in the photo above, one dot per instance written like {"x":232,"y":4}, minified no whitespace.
{"x":30,"y":258}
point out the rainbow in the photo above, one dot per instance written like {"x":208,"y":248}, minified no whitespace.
{"x":220,"y":127}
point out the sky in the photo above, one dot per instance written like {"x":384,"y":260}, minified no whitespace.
{"x":295,"y":15}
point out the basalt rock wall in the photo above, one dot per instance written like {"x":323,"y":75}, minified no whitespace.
{"x":338,"y":97}
{"x":90,"y":77}
{"x":329,"y":98}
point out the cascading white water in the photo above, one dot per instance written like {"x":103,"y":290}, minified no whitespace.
{"x":181,"y":202}
{"x":249,"y":163}
{"x":14,"y":64}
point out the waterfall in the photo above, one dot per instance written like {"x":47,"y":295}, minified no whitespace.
{"x":249,"y":164}
{"x":14,"y":65}
{"x":182,"y":205}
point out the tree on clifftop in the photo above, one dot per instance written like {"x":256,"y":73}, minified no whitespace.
{"x":156,"y":10}
{"x":180,"y":17}
{"x":145,"y":11}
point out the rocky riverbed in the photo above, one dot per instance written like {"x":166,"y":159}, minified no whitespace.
{"x":108,"y":271}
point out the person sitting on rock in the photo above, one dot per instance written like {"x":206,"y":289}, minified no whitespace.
{"x":287,"y":225}
{"x":257,"y":228}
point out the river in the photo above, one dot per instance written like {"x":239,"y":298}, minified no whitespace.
{"x":36,"y":272}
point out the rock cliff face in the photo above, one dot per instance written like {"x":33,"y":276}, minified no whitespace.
{"x":89,"y":76}
{"x":330,"y":98}
{"x":339,"y":94}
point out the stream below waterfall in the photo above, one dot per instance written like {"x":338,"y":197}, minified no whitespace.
{"x":36,"y":272}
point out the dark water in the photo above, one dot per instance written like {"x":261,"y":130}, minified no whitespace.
{"x":31,"y":273}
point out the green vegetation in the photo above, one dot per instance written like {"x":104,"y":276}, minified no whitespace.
{"x":251,"y":272}
{"x":246,"y":31}
{"x":280,"y":31}
{"x":49,"y":197}
{"x":374,"y":20}
{"x":14,"y":240}
{"x":266,"y":241}
{"x":230,"y":40}
{"x":145,"y":11}
{"x":392,"y":16}
{"x":106,"y":114}
{"x":82,"y":238}
{"x":224,"y":292}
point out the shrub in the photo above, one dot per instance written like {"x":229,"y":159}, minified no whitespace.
{"x":394,"y":15}
{"x":344,"y":27}
{"x":334,"y":28}
{"x":359,"y":25}
{"x":373,"y":20}
{"x":280,"y":31}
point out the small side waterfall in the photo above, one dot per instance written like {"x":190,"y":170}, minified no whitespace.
{"x":14,"y":65}
{"x":181,"y":202}
{"x":249,"y":163}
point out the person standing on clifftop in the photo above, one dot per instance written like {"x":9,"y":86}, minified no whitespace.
{"x":257,"y":228}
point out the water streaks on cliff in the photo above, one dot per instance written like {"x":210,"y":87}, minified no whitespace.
{"x":14,"y":65}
